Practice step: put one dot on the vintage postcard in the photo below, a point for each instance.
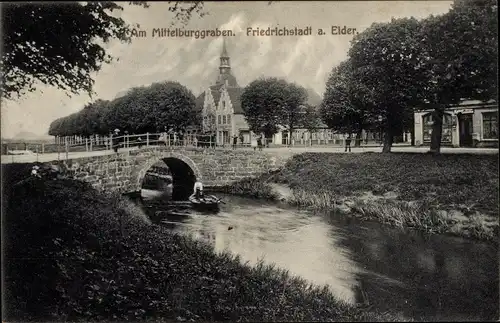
(250, 161)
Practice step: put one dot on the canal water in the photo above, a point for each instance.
(424, 277)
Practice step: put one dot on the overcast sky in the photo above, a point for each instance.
(306, 60)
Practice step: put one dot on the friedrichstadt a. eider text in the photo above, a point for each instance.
(249, 31)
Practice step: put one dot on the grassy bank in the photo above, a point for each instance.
(74, 254)
(456, 194)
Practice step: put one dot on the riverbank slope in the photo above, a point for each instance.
(452, 194)
(72, 253)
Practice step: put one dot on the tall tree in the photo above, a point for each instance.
(460, 58)
(61, 44)
(172, 105)
(55, 128)
(260, 101)
(386, 58)
(90, 118)
(294, 107)
(311, 119)
(347, 105)
(271, 103)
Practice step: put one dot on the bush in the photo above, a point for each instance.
(249, 187)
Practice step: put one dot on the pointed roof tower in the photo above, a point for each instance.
(225, 68)
(224, 49)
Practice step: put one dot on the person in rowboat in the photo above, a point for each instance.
(35, 171)
(198, 190)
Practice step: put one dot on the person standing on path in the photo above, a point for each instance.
(115, 140)
(348, 143)
(253, 143)
(235, 141)
(259, 143)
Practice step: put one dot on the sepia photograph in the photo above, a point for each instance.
(249, 161)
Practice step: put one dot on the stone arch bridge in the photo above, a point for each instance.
(124, 172)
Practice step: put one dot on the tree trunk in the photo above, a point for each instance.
(412, 133)
(357, 141)
(290, 133)
(437, 130)
(388, 140)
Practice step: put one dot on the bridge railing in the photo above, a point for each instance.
(66, 146)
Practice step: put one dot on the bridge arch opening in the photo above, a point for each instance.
(183, 178)
(182, 174)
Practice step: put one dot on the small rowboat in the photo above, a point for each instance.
(206, 203)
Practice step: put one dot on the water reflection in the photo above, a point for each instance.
(440, 278)
(424, 277)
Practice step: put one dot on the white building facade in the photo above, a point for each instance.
(468, 124)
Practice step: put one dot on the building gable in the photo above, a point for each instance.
(234, 94)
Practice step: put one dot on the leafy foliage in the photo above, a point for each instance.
(405, 64)
(269, 103)
(158, 107)
(311, 118)
(385, 59)
(62, 44)
(294, 106)
(346, 105)
(173, 105)
(460, 58)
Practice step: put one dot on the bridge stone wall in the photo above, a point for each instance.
(124, 172)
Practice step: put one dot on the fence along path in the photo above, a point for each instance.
(96, 142)
(96, 145)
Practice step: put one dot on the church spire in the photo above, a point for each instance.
(225, 66)
(225, 76)
(224, 50)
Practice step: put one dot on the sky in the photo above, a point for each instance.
(306, 60)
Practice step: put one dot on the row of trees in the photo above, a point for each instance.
(397, 66)
(268, 103)
(392, 69)
(166, 106)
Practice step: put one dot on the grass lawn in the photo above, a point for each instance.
(456, 194)
(74, 254)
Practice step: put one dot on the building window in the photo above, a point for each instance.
(490, 125)
(229, 119)
(224, 119)
(219, 119)
(223, 104)
(446, 131)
